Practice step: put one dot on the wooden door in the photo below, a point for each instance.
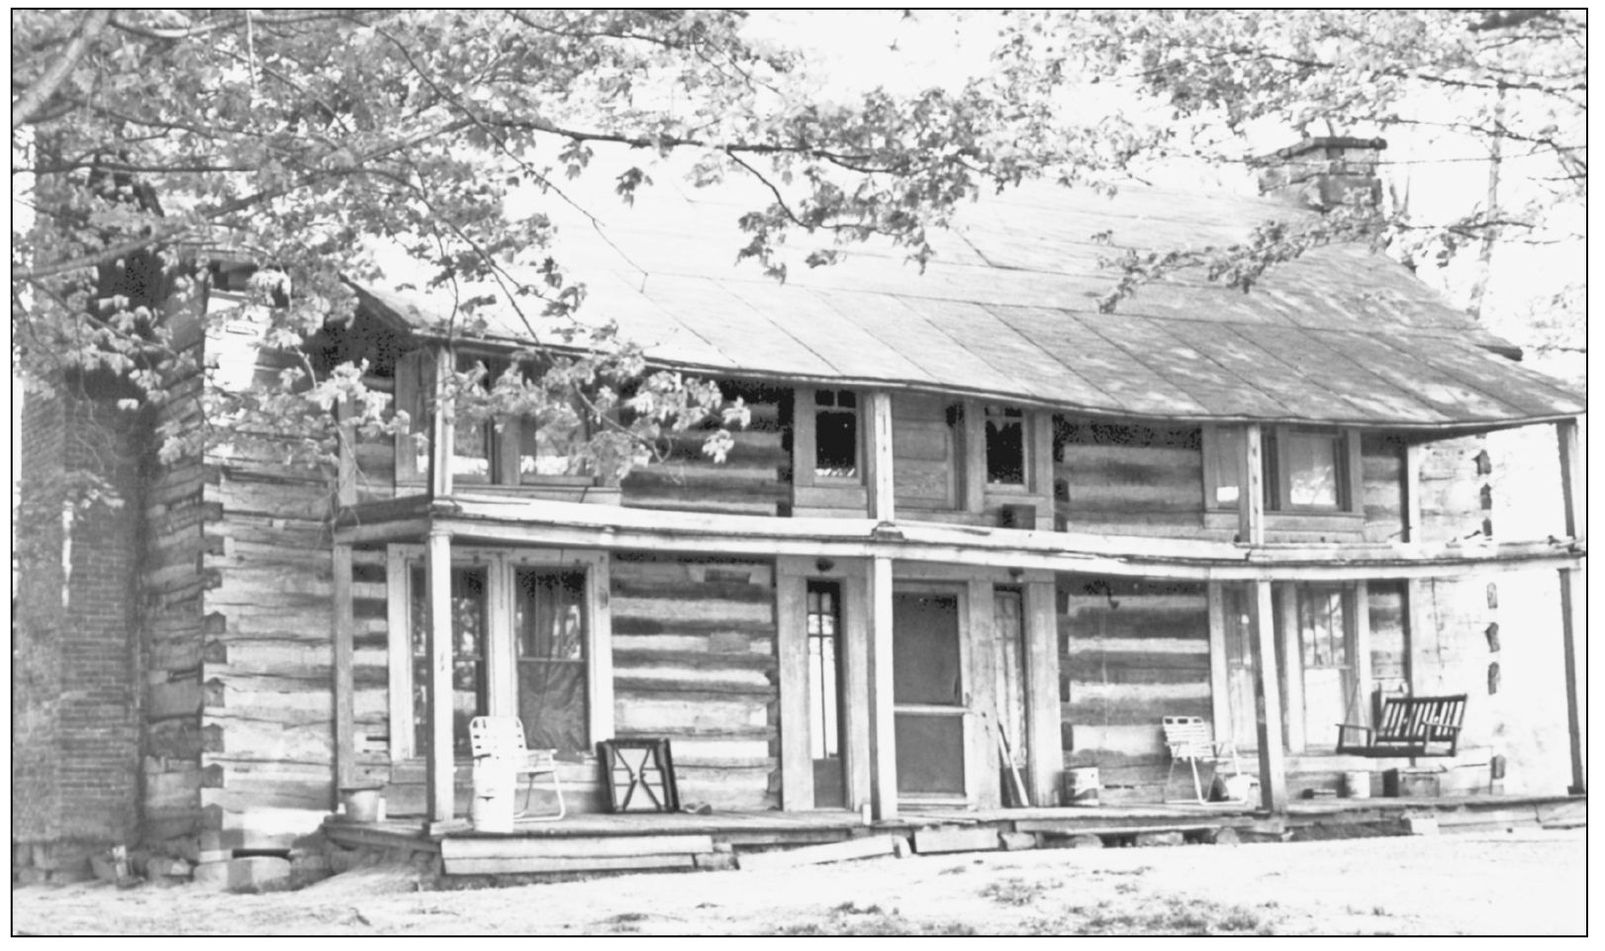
(929, 695)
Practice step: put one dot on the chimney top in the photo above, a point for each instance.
(1324, 172)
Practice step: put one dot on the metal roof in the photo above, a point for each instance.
(1008, 310)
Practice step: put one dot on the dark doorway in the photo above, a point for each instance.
(928, 694)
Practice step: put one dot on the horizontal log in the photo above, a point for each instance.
(717, 642)
(1135, 673)
(1107, 711)
(532, 866)
(637, 688)
(506, 847)
(736, 614)
(686, 590)
(711, 506)
(706, 714)
(734, 662)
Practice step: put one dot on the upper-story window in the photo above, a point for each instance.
(1005, 446)
(835, 434)
(1305, 470)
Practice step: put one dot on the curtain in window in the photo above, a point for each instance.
(549, 627)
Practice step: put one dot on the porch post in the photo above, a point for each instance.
(442, 439)
(1042, 692)
(441, 770)
(1574, 616)
(791, 644)
(1251, 487)
(879, 481)
(883, 734)
(1267, 702)
(344, 702)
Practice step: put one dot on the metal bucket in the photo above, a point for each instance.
(1081, 786)
(363, 805)
(1357, 784)
(491, 809)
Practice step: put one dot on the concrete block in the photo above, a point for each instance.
(1421, 825)
(1159, 838)
(936, 841)
(1017, 841)
(716, 861)
(258, 871)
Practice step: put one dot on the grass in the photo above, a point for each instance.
(1174, 917)
(1016, 891)
(850, 918)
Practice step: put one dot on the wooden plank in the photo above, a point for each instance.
(1267, 702)
(1411, 478)
(398, 654)
(804, 433)
(883, 736)
(1219, 689)
(972, 457)
(438, 715)
(1360, 607)
(979, 652)
(868, 847)
(1043, 742)
(1292, 667)
(596, 846)
(796, 770)
(1572, 485)
(343, 686)
(938, 841)
(1574, 626)
(1251, 487)
(537, 866)
(857, 719)
(880, 473)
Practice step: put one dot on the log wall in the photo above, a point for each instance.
(754, 479)
(1130, 479)
(694, 660)
(1131, 652)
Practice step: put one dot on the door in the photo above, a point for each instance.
(929, 695)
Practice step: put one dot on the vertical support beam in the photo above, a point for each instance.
(501, 665)
(1573, 625)
(1411, 488)
(1220, 708)
(1267, 702)
(442, 438)
(804, 436)
(1042, 718)
(879, 457)
(441, 769)
(1251, 487)
(1572, 477)
(599, 592)
(791, 643)
(346, 471)
(883, 732)
(399, 655)
(984, 753)
(972, 448)
(1040, 454)
(1362, 655)
(1292, 669)
(857, 712)
(345, 718)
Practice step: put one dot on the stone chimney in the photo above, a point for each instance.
(1325, 172)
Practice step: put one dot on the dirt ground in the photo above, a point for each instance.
(1524, 882)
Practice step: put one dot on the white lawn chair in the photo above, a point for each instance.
(1189, 739)
(502, 738)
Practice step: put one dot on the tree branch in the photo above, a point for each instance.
(25, 106)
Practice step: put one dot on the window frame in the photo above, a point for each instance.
(815, 410)
(500, 656)
(1277, 481)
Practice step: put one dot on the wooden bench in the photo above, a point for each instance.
(1407, 726)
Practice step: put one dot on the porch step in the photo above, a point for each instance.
(511, 855)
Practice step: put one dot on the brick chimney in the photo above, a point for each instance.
(1324, 172)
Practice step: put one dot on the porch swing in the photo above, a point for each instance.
(1407, 726)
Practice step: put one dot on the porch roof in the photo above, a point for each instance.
(1008, 310)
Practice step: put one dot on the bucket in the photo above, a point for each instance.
(1357, 784)
(1082, 786)
(491, 809)
(363, 805)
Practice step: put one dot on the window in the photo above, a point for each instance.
(1305, 470)
(835, 434)
(549, 637)
(524, 644)
(824, 669)
(548, 448)
(468, 628)
(1005, 446)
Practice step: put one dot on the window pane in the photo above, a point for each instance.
(836, 443)
(1005, 446)
(1228, 449)
(1312, 470)
(824, 671)
(470, 453)
(549, 627)
(468, 660)
(550, 447)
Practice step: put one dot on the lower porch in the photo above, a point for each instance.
(598, 843)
